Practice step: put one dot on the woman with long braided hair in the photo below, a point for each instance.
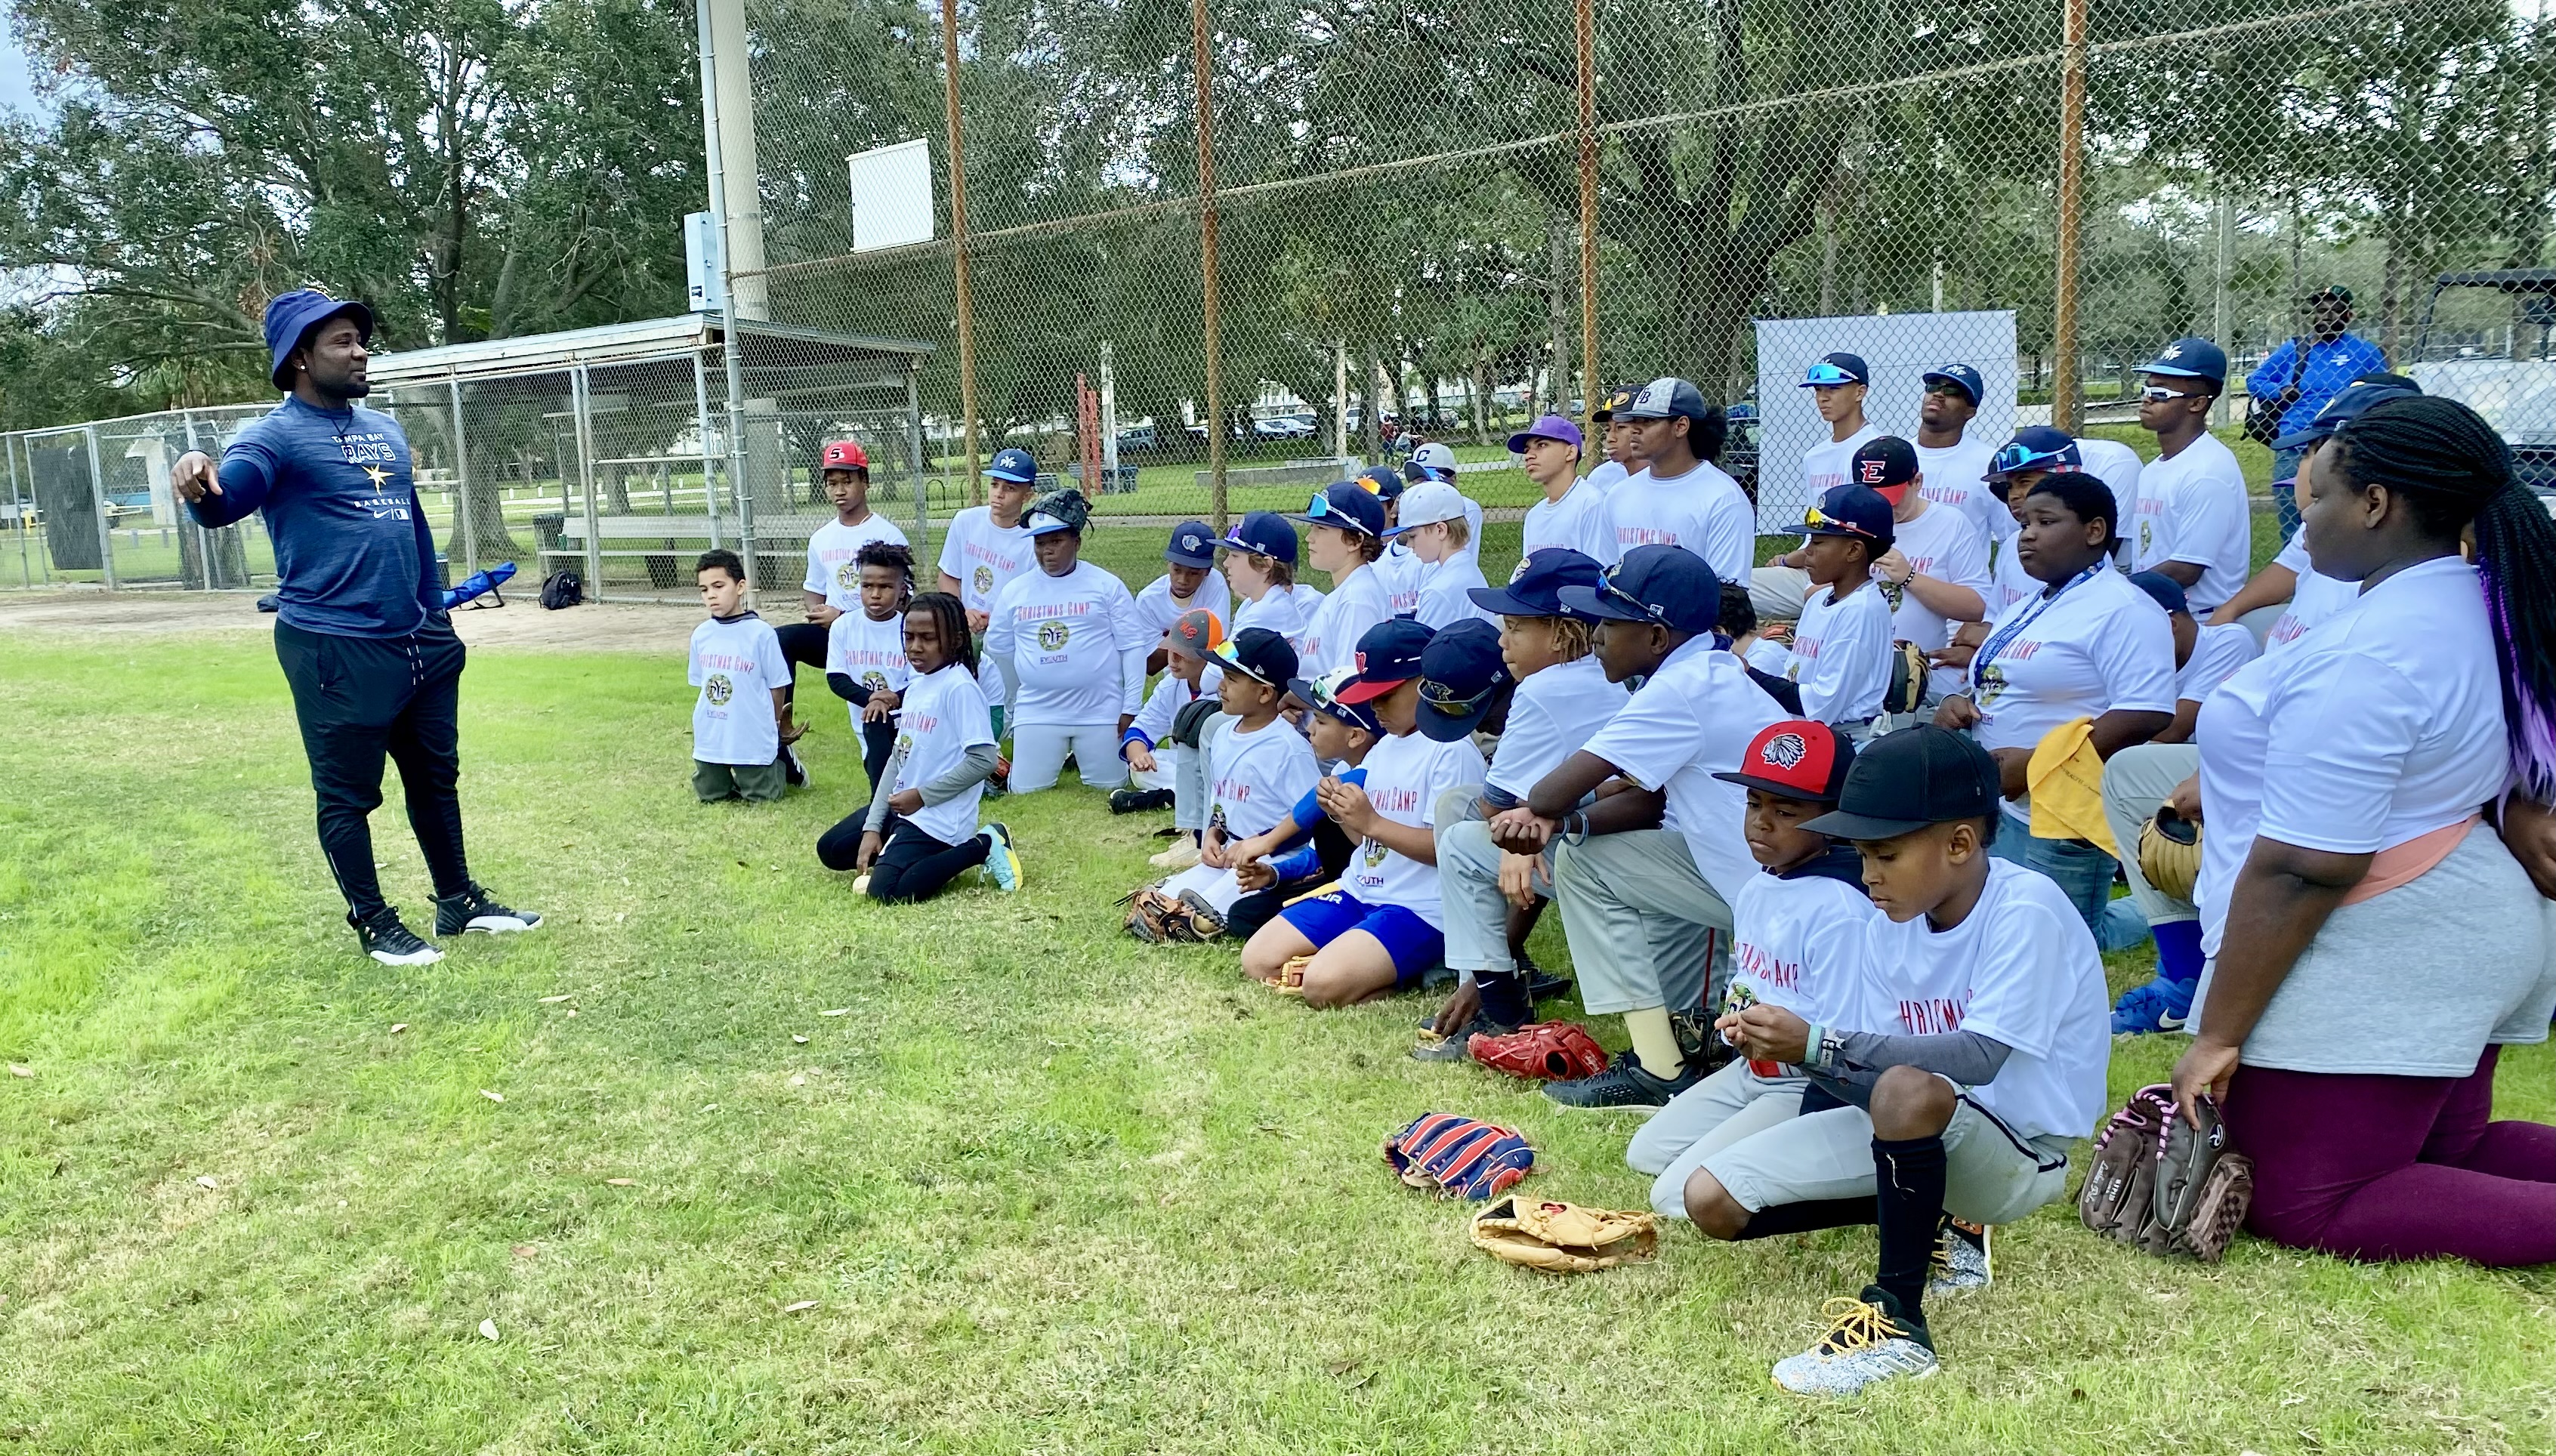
(2372, 947)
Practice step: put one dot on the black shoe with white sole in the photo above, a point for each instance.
(391, 942)
(475, 909)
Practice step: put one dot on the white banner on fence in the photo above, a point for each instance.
(1899, 348)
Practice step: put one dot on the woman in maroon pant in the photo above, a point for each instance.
(2373, 944)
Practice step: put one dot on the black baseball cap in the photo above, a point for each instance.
(1666, 397)
(1615, 399)
(1883, 463)
(1536, 591)
(1388, 655)
(2163, 590)
(1462, 678)
(1261, 654)
(1832, 370)
(1795, 759)
(1666, 585)
(1906, 781)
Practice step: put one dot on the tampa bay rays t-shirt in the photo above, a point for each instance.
(871, 654)
(1404, 777)
(945, 715)
(2020, 969)
(833, 572)
(1064, 637)
(736, 664)
(352, 551)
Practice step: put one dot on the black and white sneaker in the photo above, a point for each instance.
(793, 772)
(475, 910)
(1133, 800)
(1624, 1083)
(389, 941)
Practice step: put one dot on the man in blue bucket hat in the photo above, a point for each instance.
(360, 624)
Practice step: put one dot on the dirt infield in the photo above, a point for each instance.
(519, 625)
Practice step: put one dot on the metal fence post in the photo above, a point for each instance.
(959, 241)
(1586, 27)
(579, 393)
(461, 482)
(98, 502)
(719, 221)
(1207, 301)
(914, 451)
(701, 412)
(18, 509)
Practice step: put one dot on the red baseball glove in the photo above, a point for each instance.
(1559, 1052)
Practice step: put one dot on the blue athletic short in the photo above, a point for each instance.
(1413, 942)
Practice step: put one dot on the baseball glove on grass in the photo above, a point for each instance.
(1557, 1052)
(1459, 1157)
(1564, 1238)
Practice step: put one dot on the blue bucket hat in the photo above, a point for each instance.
(290, 318)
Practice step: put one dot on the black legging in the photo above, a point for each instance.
(802, 643)
(841, 846)
(915, 866)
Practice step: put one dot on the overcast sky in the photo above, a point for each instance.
(15, 91)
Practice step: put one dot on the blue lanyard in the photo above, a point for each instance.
(2004, 637)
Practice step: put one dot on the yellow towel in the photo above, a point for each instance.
(2065, 782)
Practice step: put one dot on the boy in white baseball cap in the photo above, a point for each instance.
(1432, 526)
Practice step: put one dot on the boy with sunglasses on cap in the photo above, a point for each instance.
(1378, 928)
(1839, 655)
(1305, 848)
(1189, 584)
(1955, 462)
(1646, 910)
(1798, 938)
(1345, 529)
(1257, 768)
(1538, 677)
(2193, 519)
(1986, 1062)
(1838, 384)
(1935, 571)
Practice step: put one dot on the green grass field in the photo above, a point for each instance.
(1040, 1188)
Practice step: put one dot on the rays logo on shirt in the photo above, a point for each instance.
(1373, 852)
(905, 743)
(1785, 750)
(983, 578)
(848, 575)
(718, 690)
(1893, 592)
(1053, 636)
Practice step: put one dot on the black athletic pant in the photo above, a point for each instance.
(915, 866)
(802, 643)
(1260, 906)
(841, 846)
(359, 698)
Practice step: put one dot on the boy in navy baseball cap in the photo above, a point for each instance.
(1190, 584)
(1464, 684)
(1263, 533)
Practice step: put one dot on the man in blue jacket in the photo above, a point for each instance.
(360, 625)
(2336, 356)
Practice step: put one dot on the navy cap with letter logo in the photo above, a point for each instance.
(1666, 585)
(2348, 406)
(1959, 376)
(1666, 398)
(2044, 447)
(1833, 370)
(1013, 465)
(1263, 533)
(1615, 403)
(1536, 591)
(1345, 506)
(2190, 358)
(1462, 678)
(1192, 545)
(1261, 654)
(1388, 655)
(2163, 590)
(1854, 511)
(1906, 781)
(1795, 759)
(1322, 694)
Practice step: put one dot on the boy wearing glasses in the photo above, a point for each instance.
(1838, 384)
(2193, 521)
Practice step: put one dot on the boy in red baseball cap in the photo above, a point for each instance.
(834, 584)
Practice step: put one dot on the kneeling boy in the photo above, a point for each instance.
(1257, 766)
(1994, 1061)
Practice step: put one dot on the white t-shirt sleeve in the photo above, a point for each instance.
(954, 561)
(768, 658)
(1965, 561)
(839, 642)
(1651, 739)
(2016, 996)
(2205, 515)
(817, 581)
(1000, 636)
(2135, 653)
(694, 673)
(1457, 765)
(2342, 727)
(1852, 666)
(2294, 554)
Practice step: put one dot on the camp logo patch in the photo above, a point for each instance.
(983, 578)
(1784, 751)
(905, 743)
(718, 690)
(874, 680)
(848, 575)
(1373, 852)
(1053, 636)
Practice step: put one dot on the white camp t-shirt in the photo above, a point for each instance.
(1824, 465)
(2020, 969)
(1255, 778)
(1942, 542)
(1398, 572)
(1441, 601)
(736, 664)
(833, 573)
(2193, 509)
(943, 716)
(2008, 582)
(2119, 467)
(1841, 654)
(2385, 724)
(2312, 601)
(1331, 634)
(1064, 637)
(1704, 511)
(1693, 719)
(1797, 943)
(2102, 644)
(2216, 653)
(1956, 475)
(1607, 475)
(1284, 610)
(1156, 608)
(871, 654)
(984, 558)
(1404, 777)
(1580, 520)
(1550, 714)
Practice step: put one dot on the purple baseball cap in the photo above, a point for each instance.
(1551, 427)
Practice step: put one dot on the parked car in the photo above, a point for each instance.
(1138, 437)
(1739, 451)
(2504, 371)
(1283, 427)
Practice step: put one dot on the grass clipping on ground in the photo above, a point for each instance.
(1023, 1185)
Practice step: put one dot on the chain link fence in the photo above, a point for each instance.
(1422, 220)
